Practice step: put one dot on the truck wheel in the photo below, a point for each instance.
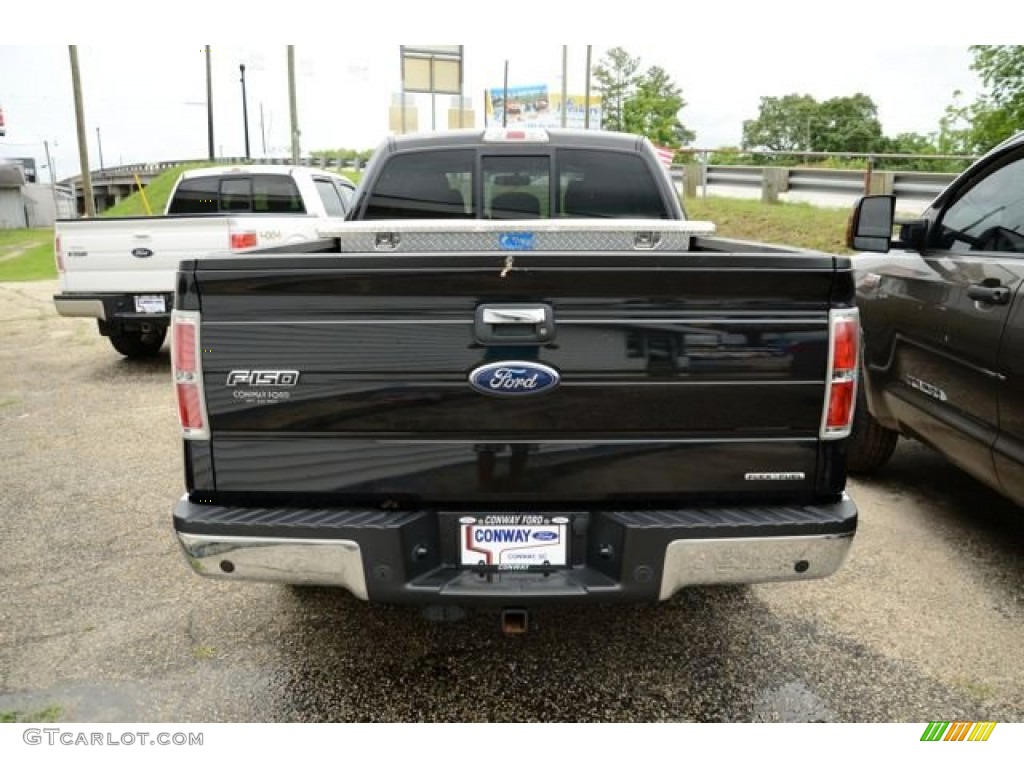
(134, 344)
(870, 444)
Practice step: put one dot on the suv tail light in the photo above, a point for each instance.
(841, 376)
(188, 375)
(58, 255)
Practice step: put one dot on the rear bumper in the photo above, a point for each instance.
(617, 556)
(112, 308)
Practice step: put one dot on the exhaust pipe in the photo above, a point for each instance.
(514, 621)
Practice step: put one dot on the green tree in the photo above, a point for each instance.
(922, 146)
(999, 112)
(848, 124)
(345, 155)
(616, 78)
(954, 134)
(910, 144)
(645, 103)
(797, 123)
(653, 110)
(1001, 68)
(783, 124)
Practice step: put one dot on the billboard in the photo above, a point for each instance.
(432, 68)
(537, 106)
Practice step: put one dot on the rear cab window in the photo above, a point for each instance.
(534, 183)
(428, 185)
(255, 193)
(607, 185)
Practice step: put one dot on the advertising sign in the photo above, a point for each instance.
(537, 106)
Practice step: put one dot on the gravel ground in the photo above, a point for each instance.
(101, 619)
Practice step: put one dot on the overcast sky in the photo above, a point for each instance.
(148, 98)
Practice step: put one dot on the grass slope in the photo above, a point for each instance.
(157, 192)
(26, 254)
(798, 224)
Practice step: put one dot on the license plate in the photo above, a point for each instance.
(149, 305)
(514, 542)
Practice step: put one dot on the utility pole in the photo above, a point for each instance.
(53, 180)
(83, 147)
(292, 106)
(504, 99)
(462, 71)
(565, 82)
(209, 104)
(245, 113)
(263, 133)
(586, 94)
(99, 146)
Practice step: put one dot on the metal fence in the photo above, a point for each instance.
(913, 189)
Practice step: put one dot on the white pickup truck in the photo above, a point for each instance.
(122, 270)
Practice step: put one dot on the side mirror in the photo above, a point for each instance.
(870, 226)
(913, 234)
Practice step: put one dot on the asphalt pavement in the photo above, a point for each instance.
(101, 620)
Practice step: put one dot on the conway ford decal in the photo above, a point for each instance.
(516, 241)
(513, 377)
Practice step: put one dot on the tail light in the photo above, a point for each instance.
(241, 240)
(58, 255)
(841, 376)
(188, 375)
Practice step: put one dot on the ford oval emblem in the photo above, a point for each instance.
(141, 253)
(545, 535)
(513, 378)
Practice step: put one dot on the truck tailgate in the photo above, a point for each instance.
(348, 375)
(136, 254)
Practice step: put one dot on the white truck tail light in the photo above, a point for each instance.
(841, 375)
(58, 255)
(188, 375)
(240, 240)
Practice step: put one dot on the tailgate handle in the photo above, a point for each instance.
(510, 316)
(514, 324)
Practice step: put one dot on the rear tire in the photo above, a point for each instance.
(139, 344)
(870, 444)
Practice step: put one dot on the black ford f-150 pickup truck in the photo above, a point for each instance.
(943, 324)
(519, 375)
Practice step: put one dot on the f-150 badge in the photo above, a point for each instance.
(263, 378)
(513, 378)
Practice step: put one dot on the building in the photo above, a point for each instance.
(23, 204)
(12, 199)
